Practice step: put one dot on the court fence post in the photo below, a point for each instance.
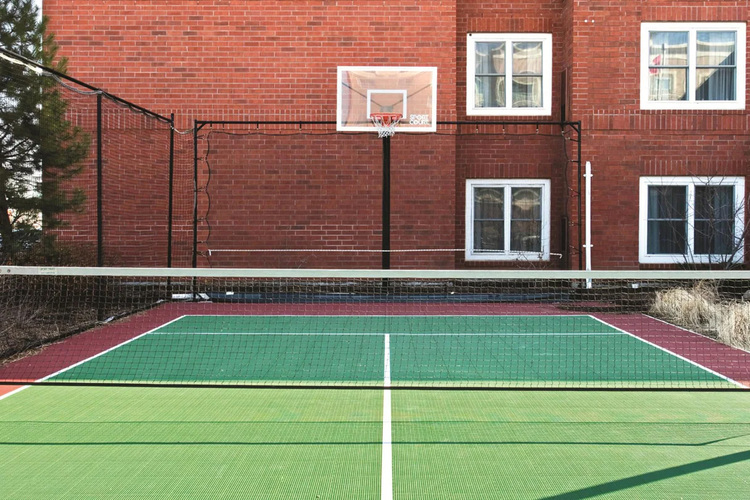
(386, 229)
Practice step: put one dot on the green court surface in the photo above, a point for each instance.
(97, 442)
(321, 443)
(571, 445)
(462, 351)
(414, 325)
(176, 443)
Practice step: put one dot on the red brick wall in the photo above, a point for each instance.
(513, 152)
(135, 188)
(277, 60)
(512, 156)
(235, 59)
(273, 60)
(624, 142)
(323, 192)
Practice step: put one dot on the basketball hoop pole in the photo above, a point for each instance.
(386, 256)
(386, 123)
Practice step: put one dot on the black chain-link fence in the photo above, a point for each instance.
(85, 176)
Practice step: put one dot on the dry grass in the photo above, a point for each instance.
(701, 309)
(734, 325)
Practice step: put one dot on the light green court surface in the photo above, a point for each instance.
(462, 351)
(94, 442)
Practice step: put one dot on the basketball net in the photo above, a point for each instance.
(385, 123)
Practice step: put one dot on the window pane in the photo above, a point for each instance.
(667, 202)
(667, 219)
(714, 237)
(714, 203)
(526, 220)
(527, 204)
(716, 84)
(527, 58)
(527, 92)
(667, 84)
(490, 58)
(668, 48)
(666, 237)
(716, 48)
(714, 220)
(525, 236)
(489, 236)
(489, 203)
(489, 92)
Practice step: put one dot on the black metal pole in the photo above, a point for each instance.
(99, 293)
(99, 182)
(84, 84)
(580, 202)
(195, 194)
(171, 191)
(386, 257)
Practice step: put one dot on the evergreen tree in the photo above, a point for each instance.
(40, 150)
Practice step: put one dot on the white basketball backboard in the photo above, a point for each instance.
(408, 91)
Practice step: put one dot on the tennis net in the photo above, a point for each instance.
(374, 329)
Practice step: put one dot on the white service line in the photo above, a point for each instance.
(386, 478)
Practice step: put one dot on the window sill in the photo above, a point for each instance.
(509, 112)
(683, 259)
(693, 106)
(506, 257)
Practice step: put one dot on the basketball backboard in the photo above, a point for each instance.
(408, 91)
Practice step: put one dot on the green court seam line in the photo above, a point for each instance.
(43, 379)
(373, 334)
(690, 361)
(696, 333)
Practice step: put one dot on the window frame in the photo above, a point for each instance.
(692, 28)
(690, 257)
(507, 255)
(509, 38)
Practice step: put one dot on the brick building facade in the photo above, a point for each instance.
(658, 87)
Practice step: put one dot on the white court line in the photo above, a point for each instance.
(13, 392)
(386, 478)
(92, 357)
(698, 365)
(717, 341)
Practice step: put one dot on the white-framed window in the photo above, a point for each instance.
(693, 65)
(691, 220)
(507, 219)
(509, 74)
